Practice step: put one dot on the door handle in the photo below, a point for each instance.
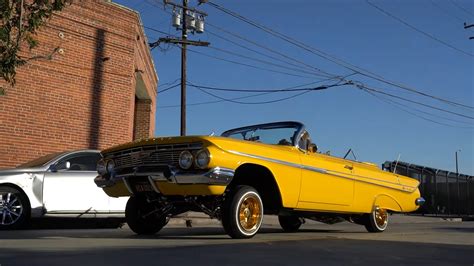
(350, 167)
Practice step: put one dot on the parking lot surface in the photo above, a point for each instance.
(409, 240)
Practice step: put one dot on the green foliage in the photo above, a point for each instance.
(19, 21)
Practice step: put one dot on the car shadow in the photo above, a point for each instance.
(457, 229)
(75, 223)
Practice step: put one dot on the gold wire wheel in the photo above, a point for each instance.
(381, 217)
(250, 213)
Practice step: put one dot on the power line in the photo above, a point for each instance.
(215, 101)
(287, 89)
(259, 53)
(331, 58)
(362, 86)
(307, 90)
(268, 49)
(446, 12)
(418, 30)
(169, 88)
(401, 107)
(263, 61)
(247, 65)
(461, 8)
(242, 97)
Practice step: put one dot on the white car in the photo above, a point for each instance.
(59, 184)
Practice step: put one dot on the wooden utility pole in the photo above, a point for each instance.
(183, 42)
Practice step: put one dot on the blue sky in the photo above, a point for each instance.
(342, 117)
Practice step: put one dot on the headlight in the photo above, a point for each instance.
(185, 160)
(101, 167)
(202, 159)
(110, 166)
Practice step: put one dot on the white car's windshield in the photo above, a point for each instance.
(41, 161)
(283, 133)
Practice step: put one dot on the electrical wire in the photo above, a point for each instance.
(333, 59)
(169, 88)
(461, 8)
(268, 49)
(404, 108)
(307, 90)
(446, 12)
(417, 30)
(258, 52)
(362, 86)
(263, 61)
(267, 92)
(287, 89)
(247, 65)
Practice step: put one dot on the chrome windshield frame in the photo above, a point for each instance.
(300, 128)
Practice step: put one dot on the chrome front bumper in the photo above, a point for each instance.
(215, 176)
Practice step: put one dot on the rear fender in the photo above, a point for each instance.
(387, 202)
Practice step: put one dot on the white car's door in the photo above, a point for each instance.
(70, 187)
(117, 205)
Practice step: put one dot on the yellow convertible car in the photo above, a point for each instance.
(248, 172)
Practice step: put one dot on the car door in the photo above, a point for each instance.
(69, 187)
(326, 181)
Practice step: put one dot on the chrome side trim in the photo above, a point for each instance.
(153, 185)
(325, 171)
(127, 185)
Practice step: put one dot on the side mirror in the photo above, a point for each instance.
(62, 166)
(313, 148)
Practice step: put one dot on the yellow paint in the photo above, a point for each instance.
(119, 190)
(330, 184)
(169, 189)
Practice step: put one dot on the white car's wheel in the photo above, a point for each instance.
(243, 212)
(377, 220)
(14, 208)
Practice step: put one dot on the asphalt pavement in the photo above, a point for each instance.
(408, 241)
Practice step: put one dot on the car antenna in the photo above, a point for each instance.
(396, 163)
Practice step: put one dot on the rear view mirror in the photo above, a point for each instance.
(313, 148)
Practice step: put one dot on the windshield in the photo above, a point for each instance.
(283, 133)
(41, 161)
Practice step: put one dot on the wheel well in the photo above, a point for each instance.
(260, 178)
(19, 189)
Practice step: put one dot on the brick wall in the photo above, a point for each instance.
(85, 96)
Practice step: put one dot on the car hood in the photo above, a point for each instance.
(16, 171)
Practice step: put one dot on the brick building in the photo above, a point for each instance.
(98, 90)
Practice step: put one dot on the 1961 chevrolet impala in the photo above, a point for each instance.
(248, 172)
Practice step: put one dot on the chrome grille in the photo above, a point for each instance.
(151, 155)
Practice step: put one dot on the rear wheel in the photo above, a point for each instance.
(290, 223)
(142, 216)
(14, 209)
(243, 212)
(376, 221)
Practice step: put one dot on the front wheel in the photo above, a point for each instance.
(142, 216)
(14, 209)
(243, 212)
(376, 221)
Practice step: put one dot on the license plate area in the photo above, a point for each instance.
(140, 184)
(143, 187)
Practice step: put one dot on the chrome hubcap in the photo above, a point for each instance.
(10, 208)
